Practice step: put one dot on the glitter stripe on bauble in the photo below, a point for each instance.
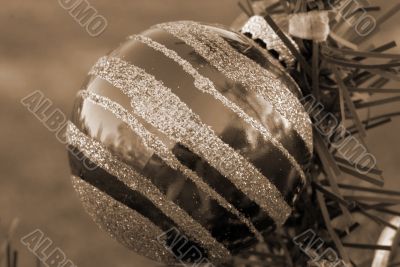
(239, 68)
(125, 224)
(117, 190)
(157, 105)
(103, 158)
(153, 142)
(207, 86)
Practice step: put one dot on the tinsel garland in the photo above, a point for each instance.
(333, 75)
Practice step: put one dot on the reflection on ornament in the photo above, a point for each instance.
(199, 139)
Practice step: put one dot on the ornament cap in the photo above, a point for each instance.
(259, 30)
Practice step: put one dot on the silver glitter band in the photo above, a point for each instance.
(157, 105)
(241, 69)
(207, 86)
(152, 142)
(104, 159)
(125, 224)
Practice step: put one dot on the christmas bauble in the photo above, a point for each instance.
(188, 143)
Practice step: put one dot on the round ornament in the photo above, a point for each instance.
(188, 143)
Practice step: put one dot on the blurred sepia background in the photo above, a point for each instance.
(43, 48)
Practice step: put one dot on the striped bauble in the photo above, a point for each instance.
(188, 143)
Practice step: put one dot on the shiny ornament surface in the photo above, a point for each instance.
(188, 143)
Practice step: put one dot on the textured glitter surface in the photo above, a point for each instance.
(103, 158)
(207, 86)
(156, 104)
(241, 69)
(152, 142)
(259, 29)
(126, 225)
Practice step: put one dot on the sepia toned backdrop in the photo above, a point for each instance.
(43, 48)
